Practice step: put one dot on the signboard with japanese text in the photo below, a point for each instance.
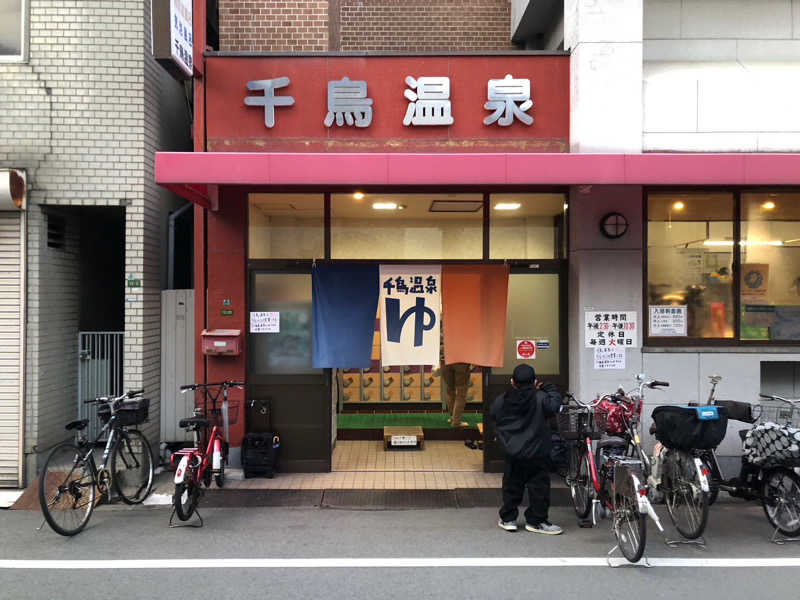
(181, 33)
(265, 322)
(526, 349)
(609, 358)
(610, 328)
(172, 37)
(410, 308)
(388, 103)
(668, 321)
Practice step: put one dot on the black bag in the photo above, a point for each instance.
(260, 454)
(681, 427)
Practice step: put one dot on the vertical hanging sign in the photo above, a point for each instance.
(410, 306)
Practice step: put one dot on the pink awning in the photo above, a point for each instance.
(196, 175)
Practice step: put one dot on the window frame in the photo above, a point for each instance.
(24, 30)
(689, 342)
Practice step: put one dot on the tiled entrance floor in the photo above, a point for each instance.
(366, 465)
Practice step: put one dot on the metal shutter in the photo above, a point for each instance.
(11, 346)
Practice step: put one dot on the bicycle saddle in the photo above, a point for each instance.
(193, 422)
(79, 425)
(611, 441)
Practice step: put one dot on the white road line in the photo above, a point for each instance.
(384, 563)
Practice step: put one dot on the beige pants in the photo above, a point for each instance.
(456, 380)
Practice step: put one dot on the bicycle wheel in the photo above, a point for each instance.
(186, 497)
(580, 482)
(219, 478)
(132, 466)
(687, 503)
(66, 490)
(780, 497)
(630, 528)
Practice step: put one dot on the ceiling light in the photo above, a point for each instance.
(401, 207)
(384, 205)
(358, 196)
(743, 243)
(768, 205)
(566, 206)
(718, 243)
(678, 205)
(507, 206)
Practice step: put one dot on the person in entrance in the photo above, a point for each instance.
(522, 416)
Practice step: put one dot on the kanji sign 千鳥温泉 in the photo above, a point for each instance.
(610, 328)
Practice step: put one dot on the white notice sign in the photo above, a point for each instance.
(265, 322)
(181, 35)
(610, 329)
(404, 440)
(609, 358)
(668, 321)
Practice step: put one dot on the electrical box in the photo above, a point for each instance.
(222, 342)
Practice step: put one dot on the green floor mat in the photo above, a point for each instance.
(381, 420)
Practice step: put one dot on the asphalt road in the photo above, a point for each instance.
(738, 546)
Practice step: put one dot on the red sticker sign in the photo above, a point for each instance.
(526, 349)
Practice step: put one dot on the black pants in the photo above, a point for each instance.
(533, 474)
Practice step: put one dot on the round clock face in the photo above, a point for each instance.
(614, 225)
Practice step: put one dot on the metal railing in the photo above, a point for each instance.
(99, 371)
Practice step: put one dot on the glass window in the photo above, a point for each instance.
(689, 264)
(770, 273)
(407, 226)
(12, 27)
(527, 225)
(287, 351)
(286, 226)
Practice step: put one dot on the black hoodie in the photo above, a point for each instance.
(522, 417)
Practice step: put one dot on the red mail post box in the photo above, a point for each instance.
(222, 342)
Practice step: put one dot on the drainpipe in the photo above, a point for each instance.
(171, 244)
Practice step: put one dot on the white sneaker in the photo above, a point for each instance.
(545, 527)
(507, 525)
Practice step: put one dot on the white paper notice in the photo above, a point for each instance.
(265, 322)
(668, 321)
(609, 358)
(610, 329)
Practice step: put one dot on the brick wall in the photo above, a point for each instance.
(352, 25)
(272, 26)
(424, 25)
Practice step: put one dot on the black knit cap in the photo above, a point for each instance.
(524, 375)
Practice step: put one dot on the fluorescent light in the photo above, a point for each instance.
(507, 206)
(358, 195)
(384, 205)
(678, 205)
(717, 243)
(743, 243)
(769, 205)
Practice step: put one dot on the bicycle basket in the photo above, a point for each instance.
(129, 412)
(680, 427)
(214, 416)
(775, 411)
(771, 444)
(576, 424)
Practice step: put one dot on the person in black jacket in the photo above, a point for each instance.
(522, 426)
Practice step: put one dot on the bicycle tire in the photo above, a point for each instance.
(132, 466)
(630, 528)
(687, 503)
(185, 498)
(580, 482)
(777, 500)
(64, 497)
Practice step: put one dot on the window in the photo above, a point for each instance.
(286, 226)
(690, 265)
(527, 226)
(770, 273)
(705, 262)
(407, 226)
(12, 29)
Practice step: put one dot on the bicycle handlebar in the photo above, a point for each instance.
(658, 383)
(786, 400)
(226, 383)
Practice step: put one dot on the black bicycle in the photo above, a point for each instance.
(72, 484)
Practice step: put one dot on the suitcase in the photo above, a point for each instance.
(259, 454)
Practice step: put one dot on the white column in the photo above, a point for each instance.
(605, 39)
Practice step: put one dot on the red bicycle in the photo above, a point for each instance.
(210, 452)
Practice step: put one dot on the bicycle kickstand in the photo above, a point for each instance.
(698, 543)
(179, 524)
(617, 562)
(777, 538)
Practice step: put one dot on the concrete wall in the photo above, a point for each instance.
(721, 75)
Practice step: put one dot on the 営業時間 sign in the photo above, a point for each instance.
(610, 328)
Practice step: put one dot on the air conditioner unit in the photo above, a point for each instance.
(13, 189)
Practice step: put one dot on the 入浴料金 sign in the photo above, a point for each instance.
(610, 328)
(668, 321)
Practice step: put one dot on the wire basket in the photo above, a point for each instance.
(579, 423)
(775, 411)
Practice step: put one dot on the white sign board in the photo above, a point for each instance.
(403, 440)
(668, 321)
(410, 305)
(265, 322)
(610, 329)
(609, 358)
(181, 36)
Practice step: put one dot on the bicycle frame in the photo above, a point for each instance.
(213, 450)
